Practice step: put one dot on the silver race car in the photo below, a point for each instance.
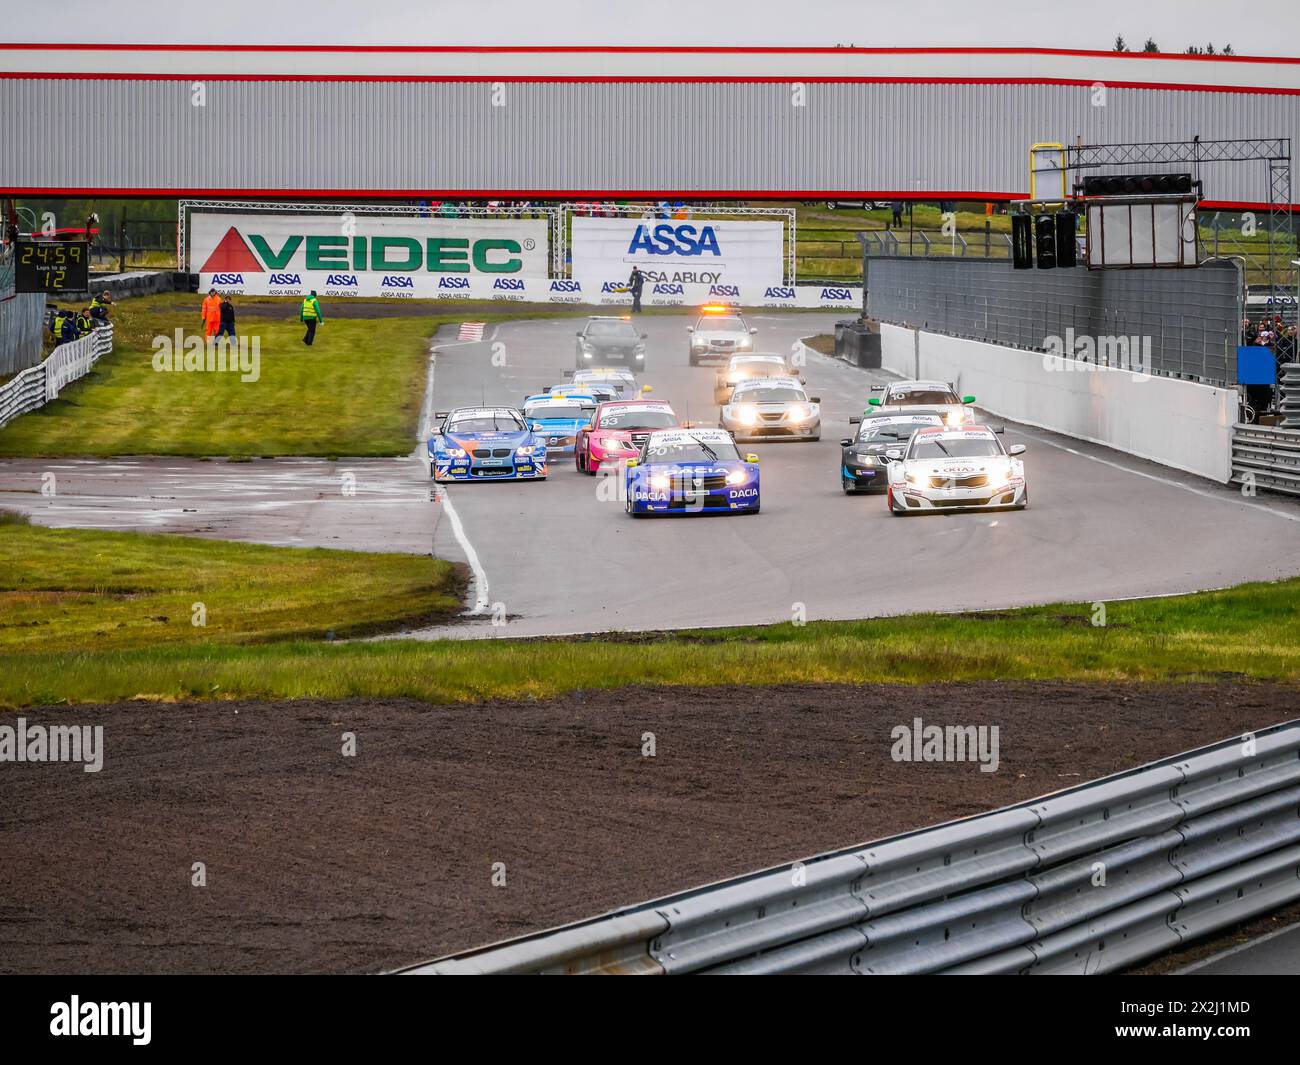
(956, 468)
(772, 408)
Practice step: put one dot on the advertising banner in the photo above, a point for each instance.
(362, 251)
(677, 251)
(532, 290)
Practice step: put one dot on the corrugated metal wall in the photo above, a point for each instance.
(550, 136)
(22, 324)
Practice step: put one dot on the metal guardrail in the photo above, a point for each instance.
(1088, 880)
(41, 384)
(1266, 456)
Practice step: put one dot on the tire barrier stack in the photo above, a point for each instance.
(1090, 880)
(858, 343)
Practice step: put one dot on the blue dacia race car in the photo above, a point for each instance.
(691, 471)
(486, 444)
(558, 418)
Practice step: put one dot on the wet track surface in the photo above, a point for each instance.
(561, 556)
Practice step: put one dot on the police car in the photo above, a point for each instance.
(604, 340)
(485, 444)
(719, 332)
(937, 395)
(772, 408)
(691, 471)
(863, 465)
(558, 418)
(956, 468)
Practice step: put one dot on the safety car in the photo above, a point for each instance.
(719, 332)
(604, 340)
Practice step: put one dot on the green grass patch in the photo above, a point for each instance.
(1248, 633)
(64, 592)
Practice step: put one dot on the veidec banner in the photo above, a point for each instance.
(677, 251)
(532, 290)
(285, 247)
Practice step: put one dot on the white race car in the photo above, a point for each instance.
(956, 468)
(934, 395)
(772, 408)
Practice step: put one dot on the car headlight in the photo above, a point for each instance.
(454, 452)
(659, 480)
(737, 477)
(958, 417)
(746, 342)
(734, 378)
(745, 414)
(802, 414)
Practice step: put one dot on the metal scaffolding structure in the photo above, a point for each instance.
(1274, 152)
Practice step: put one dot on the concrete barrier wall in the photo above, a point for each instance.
(1181, 424)
(22, 322)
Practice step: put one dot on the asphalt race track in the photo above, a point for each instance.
(561, 556)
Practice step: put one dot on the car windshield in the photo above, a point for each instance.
(920, 398)
(770, 395)
(692, 449)
(758, 365)
(611, 330)
(725, 325)
(976, 447)
(892, 430)
(485, 421)
(638, 419)
(556, 412)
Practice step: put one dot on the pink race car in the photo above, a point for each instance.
(617, 430)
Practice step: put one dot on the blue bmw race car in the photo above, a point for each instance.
(486, 444)
(558, 418)
(691, 471)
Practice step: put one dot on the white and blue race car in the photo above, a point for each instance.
(691, 471)
(558, 418)
(486, 444)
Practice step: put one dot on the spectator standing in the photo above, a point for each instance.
(310, 316)
(896, 212)
(635, 283)
(211, 313)
(67, 327)
(227, 326)
(85, 323)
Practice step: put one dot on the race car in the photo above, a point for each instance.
(485, 443)
(622, 381)
(618, 430)
(956, 468)
(719, 331)
(558, 418)
(601, 393)
(863, 465)
(604, 340)
(691, 471)
(777, 408)
(744, 367)
(939, 395)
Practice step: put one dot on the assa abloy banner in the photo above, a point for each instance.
(702, 251)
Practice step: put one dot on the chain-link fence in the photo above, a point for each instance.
(1180, 323)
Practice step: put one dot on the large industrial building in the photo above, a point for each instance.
(269, 121)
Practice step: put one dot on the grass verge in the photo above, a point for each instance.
(1245, 633)
(64, 591)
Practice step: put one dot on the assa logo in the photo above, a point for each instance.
(509, 284)
(778, 292)
(285, 279)
(344, 280)
(612, 288)
(568, 286)
(669, 290)
(395, 281)
(453, 282)
(668, 239)
(724, 290)
(227, 279)
(837, 294)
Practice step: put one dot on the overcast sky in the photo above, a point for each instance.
(1253, 27)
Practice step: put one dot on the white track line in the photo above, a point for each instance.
(480, 579)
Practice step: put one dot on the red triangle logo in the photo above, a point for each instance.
(232, 256)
